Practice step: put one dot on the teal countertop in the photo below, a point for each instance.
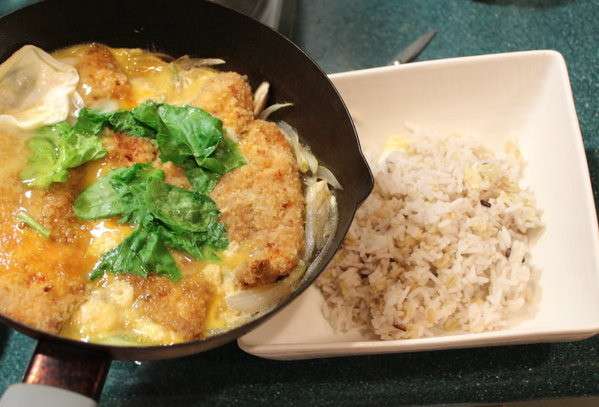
(346, 35)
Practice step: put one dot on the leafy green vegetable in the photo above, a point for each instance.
(180, 209)
(100, 200)
(193, 139)
(121, 192)
(165, 215)
(147, 113)
(141, 253)
(185, 135)
(57, 148)
(214, 154)
(226, 158)
(188, 132)
(33, 224)
(93, 122)
(201, 180)
(203, 245)
(174, 217)
(125, 122)
(90, 122)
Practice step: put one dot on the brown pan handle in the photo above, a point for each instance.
(67, 367)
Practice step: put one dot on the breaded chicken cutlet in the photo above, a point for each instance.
(39, 284)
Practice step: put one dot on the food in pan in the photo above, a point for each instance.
(146, 200)
(441, 246)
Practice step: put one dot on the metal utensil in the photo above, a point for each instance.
(411, 52)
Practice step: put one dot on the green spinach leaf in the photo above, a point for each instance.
(201, 180)
(90, 122)
(120, 192)
(180, 209)
(147, 113)
(203, 246)
(181, 219)
(125, 122)
(57, 148)
(192, 139)
(141, 253)
(188, 132)
(186, 135)
(93, 122)
(226, 158)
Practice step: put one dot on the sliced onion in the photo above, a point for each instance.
(259, 299)
(256, 300)
(331, 225)
(305, 159)
(77, 104)
(326, 174)
(312, 161)
(321, 205)
(318, 215)
(292, 138)
(185, 62)
(273, 108)
(260, 97)
(289, 131)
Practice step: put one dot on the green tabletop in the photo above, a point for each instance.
(346, 35)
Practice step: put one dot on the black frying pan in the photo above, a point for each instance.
(203, 29)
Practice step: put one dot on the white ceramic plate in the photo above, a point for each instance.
(522, 96)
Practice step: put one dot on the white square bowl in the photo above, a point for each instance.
(523, 96)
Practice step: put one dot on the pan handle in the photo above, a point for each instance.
(56, 373)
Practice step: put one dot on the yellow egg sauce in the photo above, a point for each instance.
(151, 78)
(50, 271)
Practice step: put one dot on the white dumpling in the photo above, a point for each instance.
(35, 88)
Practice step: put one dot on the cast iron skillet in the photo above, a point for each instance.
(197, 28)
